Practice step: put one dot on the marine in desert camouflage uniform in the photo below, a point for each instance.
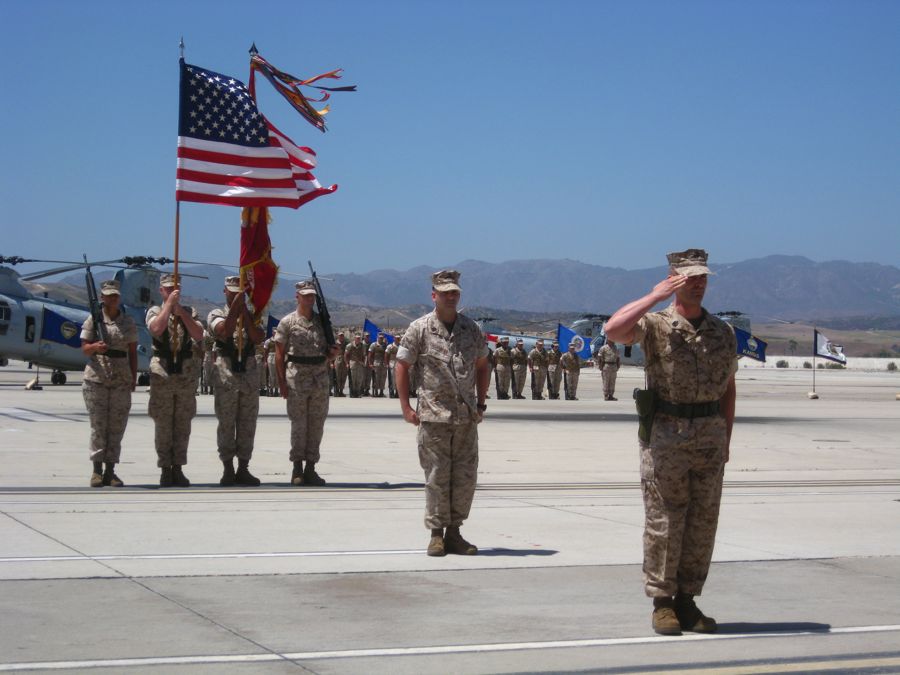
(235, 383)
(390, 363)
(691, 361)
(376, 365)
(538, 362)
(450, 352)
(339, 366)
(554, 372)
(355, 360)
(502, 368)
(570, 363)
(609, 361)
(109, 378)
(518, 359)
(302, 360)
(174, 370)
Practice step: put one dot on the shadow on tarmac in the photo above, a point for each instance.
(514, 552)
(775, 627)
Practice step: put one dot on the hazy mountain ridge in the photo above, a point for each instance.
(780, 286)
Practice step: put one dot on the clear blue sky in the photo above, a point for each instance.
(604, 132)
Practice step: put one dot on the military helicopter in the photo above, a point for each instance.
(47, 332)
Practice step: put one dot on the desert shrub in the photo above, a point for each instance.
(781, 364)
(807, 364)
(831, 365)
(892, 366)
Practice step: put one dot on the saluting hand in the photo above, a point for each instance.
(667, 287)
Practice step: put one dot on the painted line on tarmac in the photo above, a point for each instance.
(209, 556)
(26, 415)
(439, 650)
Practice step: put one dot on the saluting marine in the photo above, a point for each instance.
(691, 361)
(174, 370)
(109, 378)
(302, 356)
(235, 383)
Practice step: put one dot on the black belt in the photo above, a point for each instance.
(687, 410)
(306, 360)
(115, 353)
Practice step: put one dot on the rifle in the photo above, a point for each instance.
(322, 309)
(533, 392)
(94, 302)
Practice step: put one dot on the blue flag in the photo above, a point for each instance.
(57, 328)
(748, 345)
(271, 325)
(374, 330)
(566, 335)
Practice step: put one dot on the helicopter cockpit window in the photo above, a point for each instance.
(29, 329)
(5, 316)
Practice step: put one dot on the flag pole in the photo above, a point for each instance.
(813, 394)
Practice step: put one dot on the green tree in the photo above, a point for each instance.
(792, 346)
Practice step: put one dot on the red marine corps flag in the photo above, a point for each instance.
(259, 273)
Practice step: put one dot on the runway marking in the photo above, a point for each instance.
(208, 556)
(470, 649)
(26, 415)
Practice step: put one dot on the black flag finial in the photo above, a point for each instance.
(253, 50)
(181, 46)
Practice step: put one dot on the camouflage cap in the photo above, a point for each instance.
(445, 280)
(110, 287)
(505, 338)
(689, 263)
(520, 341)
(233, 284)
(305, 288)
(168, 281)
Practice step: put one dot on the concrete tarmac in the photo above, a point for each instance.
(336, 580)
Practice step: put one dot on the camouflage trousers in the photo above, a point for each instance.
(172, 406)
(540, 376)
(554, 380)
(681, 480)
(448, 453)
(340, 373)
(357, 378)
(502, 380)
(307, 408)
(273, 377)
(379, 375)
(237, 407)
(572, 382)
(207, 374)
(108, 409)
(520, 375)
(609, 380)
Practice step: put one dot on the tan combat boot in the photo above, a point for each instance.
(665, 622)
(690, 617)
(454, 543)
(97, 475)
(436, 545)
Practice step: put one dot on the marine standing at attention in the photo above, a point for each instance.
(554, 372)
(235, 383)
(570, 363)
(691, 361)
(518, 359)
(609, 361)
(502, 368)
(109, 378)
(450, 353)
(538, 364)
(302, 358)
(174, 371)
(355, 360)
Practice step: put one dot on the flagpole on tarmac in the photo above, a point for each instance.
(813, 394)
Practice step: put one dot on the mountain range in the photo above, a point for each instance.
(777, 286)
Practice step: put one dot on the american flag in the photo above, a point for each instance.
(229, 153)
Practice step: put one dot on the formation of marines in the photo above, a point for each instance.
(443, 360)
